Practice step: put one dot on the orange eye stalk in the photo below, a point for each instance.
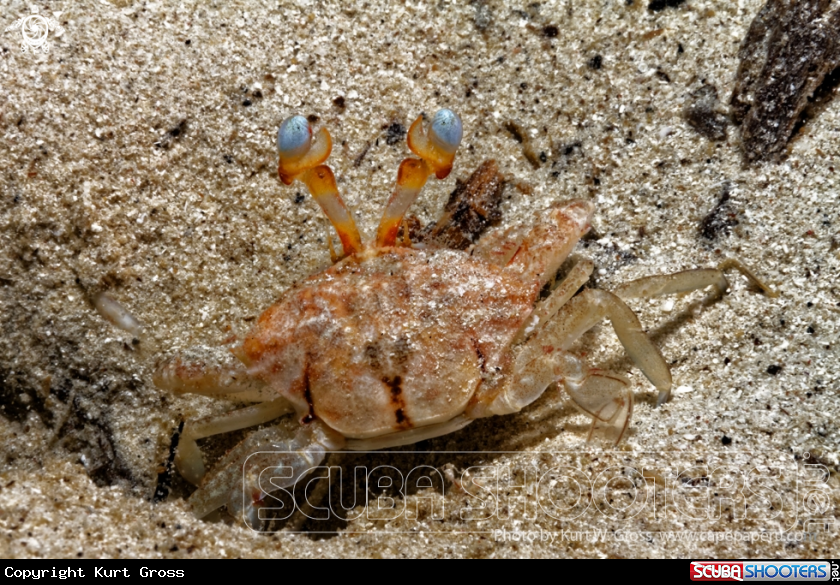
(436, 146)
(301, 158)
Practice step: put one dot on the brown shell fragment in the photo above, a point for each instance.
(472, 207)
(752, 54)
(789, 49)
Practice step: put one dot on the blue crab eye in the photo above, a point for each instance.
(294, 137)
(447, 130)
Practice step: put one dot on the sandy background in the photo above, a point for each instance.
(138, 158)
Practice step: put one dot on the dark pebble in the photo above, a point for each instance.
(657, 5)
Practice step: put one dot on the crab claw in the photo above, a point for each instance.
(435, 144)
(267, 461)
(606, 397)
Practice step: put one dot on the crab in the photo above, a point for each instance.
(397, 343)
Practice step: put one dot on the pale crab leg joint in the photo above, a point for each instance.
(435, 144)
(188, 459)
(577, 277)
(301, 157)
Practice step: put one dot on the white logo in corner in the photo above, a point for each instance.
(35, 29)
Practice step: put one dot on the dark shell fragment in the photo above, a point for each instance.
(472, 207)
(789, 49)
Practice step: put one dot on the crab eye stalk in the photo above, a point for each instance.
(294, 137)
(300, 149)
(435, 144)
(446, 131)
(301, 157)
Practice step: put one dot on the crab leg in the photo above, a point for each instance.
(592, 306)
(436, 146)
(209, 376)
(689, 280)
(188, 459)
(603, 395)
(544, 311)
(301, 158)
